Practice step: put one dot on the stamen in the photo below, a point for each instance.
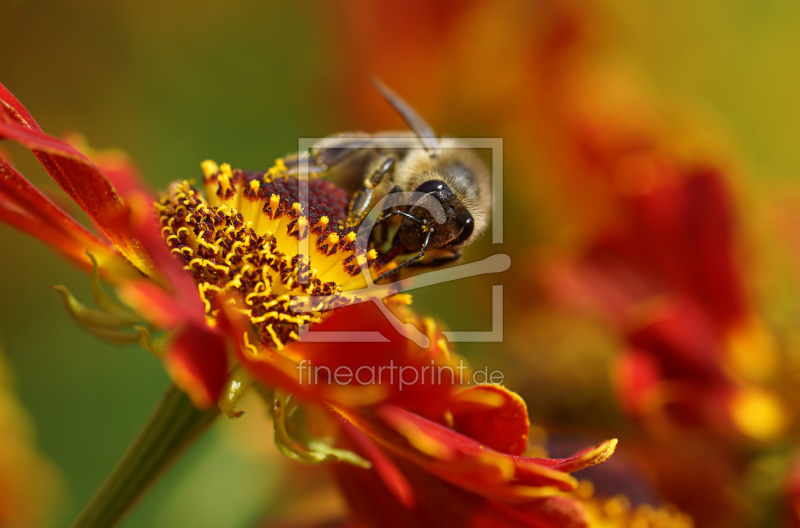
(241, 242)
(209, 168)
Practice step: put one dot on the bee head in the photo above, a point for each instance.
(453, 233)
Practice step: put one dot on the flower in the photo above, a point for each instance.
(224, 270)
(667, 277)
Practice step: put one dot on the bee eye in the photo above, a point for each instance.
(431, 186)
(467, 223)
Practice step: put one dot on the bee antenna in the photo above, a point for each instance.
(421, 129)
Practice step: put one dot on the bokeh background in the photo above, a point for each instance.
(175, 83)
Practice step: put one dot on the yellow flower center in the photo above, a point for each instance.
(244, 242)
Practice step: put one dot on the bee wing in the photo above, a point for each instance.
(333, 150)
(328, 152)
(296, 163)
(421, 129)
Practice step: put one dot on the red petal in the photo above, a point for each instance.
(27, 209)
(371, 372)
(138, 223)
(73, 171)
(440, 503)
(687, 226)
(636, 375)
(10, 106)
(405, 373)
(458, 459)
(492, 415)
(266, 366)
(156, 304)
(114, 164)
(586, 458)
(681, 338)
(386, 469)
(198, 363)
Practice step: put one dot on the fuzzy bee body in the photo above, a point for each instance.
(446, 176)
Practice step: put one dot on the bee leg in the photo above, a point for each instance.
(385, 225)
(357, 209)
(404, 214)
(439, 260)
(408, 262)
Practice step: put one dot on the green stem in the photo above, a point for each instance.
(174, 425)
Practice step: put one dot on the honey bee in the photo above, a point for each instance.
(444, 175)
